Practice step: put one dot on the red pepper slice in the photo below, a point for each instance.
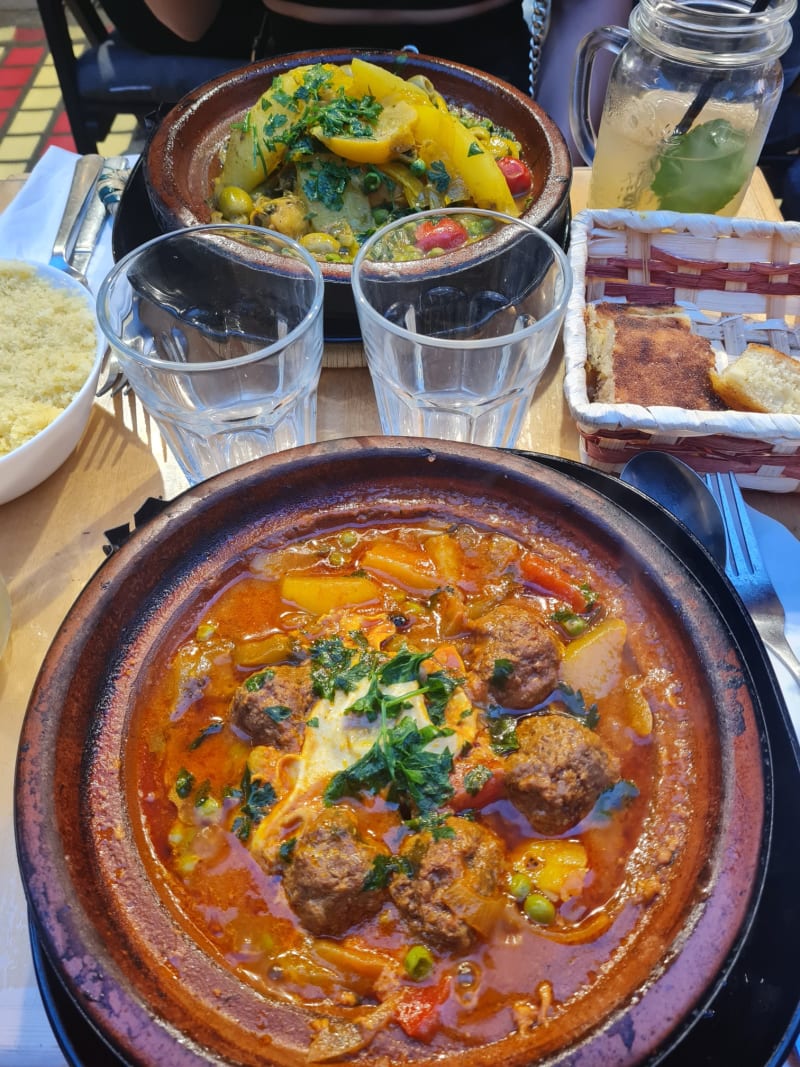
(517, 175)
(446, 234)
(418, 1008)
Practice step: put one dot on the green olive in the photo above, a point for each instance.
(418, 963)
(234, 202)
(539, 909)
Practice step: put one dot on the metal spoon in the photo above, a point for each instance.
(683, 493)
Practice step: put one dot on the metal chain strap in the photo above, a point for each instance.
(537, 16)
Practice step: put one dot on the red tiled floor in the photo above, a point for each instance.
(14, 77)
(24, 57)
(61, 125)
(61, 140)
(9, 98)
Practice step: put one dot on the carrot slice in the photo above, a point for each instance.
(552, 580)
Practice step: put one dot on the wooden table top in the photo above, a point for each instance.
(51, 542)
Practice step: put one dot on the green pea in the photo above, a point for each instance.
(418, 167)
(347, 538)
(539, 909)
(418, 963)
(335, 558)
(380, 215)
(519, 886)
(371, 181)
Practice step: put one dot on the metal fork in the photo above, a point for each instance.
(746, 570)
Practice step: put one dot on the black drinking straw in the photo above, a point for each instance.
(704, 95)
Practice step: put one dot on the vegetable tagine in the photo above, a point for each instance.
(405, 775)
(330, 153)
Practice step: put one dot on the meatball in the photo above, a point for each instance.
(272, 706)
(515, 656)
(559, 771)
(443, 878)
(324, 880)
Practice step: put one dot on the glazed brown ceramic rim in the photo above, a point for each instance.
(69, 713)
(173, 135)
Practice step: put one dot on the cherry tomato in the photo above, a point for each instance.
(446, 234)
(518, 177)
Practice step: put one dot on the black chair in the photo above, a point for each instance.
(109, 77)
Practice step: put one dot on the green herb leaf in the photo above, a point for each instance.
(337, 666)
(503, 734)
(258, 796)
(476, 778)
(383, 867)
(313, 722)
(439, 176)
(501, 672)
(277, 712)
(575, 704)
(703, 169)
(400, 761)
(474, 149)
(286, 850)
(213, 727)
(614, 799)
(184, 783)
(435, 823)
(256, 681)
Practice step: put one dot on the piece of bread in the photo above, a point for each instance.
(647, 356)
(760, 379)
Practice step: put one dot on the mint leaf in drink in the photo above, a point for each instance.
(703, 169)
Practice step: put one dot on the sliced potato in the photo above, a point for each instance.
(593, 662)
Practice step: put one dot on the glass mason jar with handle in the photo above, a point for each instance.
(689, 102)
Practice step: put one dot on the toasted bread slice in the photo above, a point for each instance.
(760, 379)
(647, 356)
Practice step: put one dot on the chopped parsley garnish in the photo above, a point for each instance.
(313, 722)
(256, 681)
(503, 734)
(258, 796)
(614, 799)
(575, 704)
(474, 149)
(213, 727)
(438, 176)
(335, 665)
(501, 672)
(203, 793)
(327, 184)
(383, 867)
(184, 783)
(286, 850)
(589, 595)
(435, 823)
(476, 778)
(336, 116)
(401, 762)
(277, 712)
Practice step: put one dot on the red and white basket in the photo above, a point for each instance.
(740, 282)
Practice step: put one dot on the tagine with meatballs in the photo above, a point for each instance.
(406, 775)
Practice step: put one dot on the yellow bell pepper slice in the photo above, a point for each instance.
(393, 135)
(371, 80)
(441, 136)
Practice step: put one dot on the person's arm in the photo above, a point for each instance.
(188, 19)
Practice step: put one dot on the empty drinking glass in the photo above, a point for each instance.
(218, 328)
(459, 311)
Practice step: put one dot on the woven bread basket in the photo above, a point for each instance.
(739, 281)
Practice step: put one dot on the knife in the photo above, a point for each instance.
(83, 180)
(98, 209)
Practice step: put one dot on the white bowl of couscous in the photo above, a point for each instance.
(51, 351)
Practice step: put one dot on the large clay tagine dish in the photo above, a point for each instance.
(120, 944)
